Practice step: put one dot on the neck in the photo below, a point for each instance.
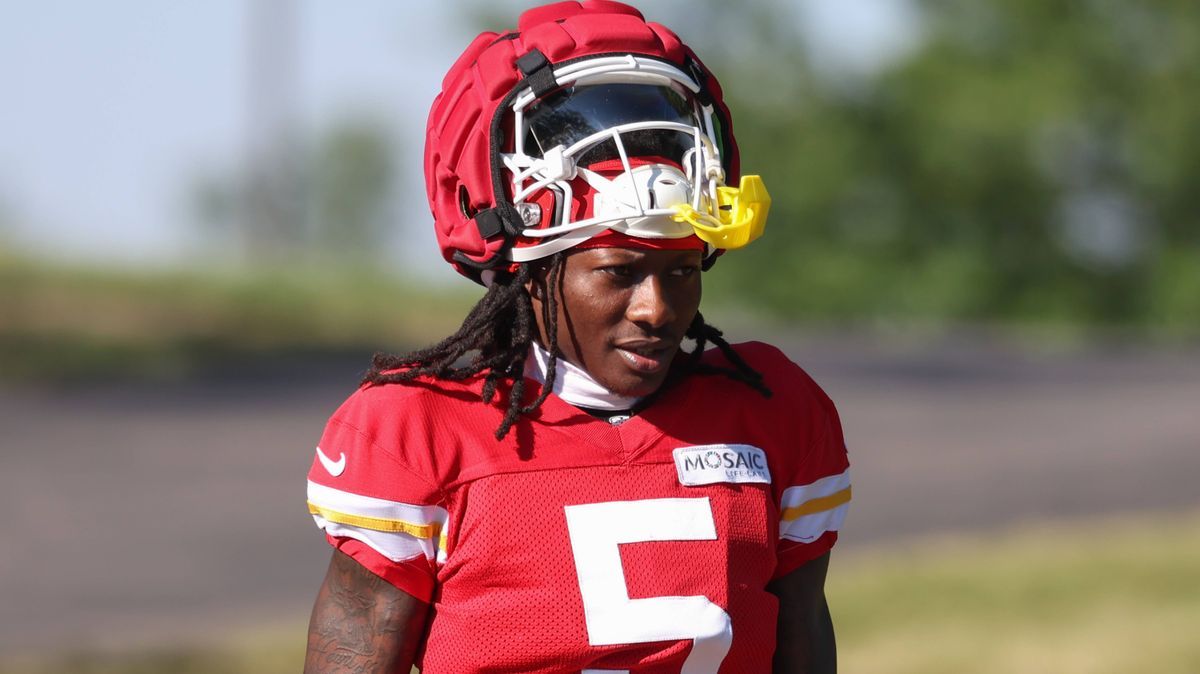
(573, 384)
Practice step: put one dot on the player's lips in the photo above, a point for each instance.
(647, 356)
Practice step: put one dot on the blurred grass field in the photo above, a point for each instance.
(66, 323)
(1100, 597)
(69, 322)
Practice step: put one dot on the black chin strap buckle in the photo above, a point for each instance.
(538, 73)
(503, 219)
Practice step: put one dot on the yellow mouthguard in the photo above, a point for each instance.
(741, 215)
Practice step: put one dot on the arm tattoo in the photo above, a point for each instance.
(362, 623)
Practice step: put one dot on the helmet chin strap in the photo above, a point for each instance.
(569, 240)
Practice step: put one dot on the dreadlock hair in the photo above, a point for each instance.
(499, 330)
(703, 333)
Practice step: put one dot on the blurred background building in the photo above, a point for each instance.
(984, 242)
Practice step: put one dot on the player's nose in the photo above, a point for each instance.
(650, 304)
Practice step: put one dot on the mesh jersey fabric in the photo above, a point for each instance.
(554, 549)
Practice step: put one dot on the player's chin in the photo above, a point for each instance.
(640, 388)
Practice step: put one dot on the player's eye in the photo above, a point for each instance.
(685, 270)
(619, 270)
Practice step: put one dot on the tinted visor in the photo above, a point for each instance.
(573, 113)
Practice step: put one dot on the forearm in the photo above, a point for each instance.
(361, 623)
(810, 648)
(805, 641)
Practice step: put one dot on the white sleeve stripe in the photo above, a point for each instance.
(375, 508)
(399, 531)
(414, 529)
(808, 528)
(808, 511)
(396, 547)
(826, 486)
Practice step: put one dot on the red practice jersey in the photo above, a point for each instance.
(579, 545)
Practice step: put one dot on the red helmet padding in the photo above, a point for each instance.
(561, 10)
(458, 142)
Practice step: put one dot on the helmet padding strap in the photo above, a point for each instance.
(538, 73)
(503, 219)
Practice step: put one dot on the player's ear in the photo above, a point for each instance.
(538, 281)
(536, 287)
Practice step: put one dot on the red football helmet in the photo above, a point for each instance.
(586, 124)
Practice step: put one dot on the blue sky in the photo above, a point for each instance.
(112, 110)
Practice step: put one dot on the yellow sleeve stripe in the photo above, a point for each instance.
(817, 505)
(428, 531)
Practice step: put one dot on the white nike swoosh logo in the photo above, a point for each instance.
(335, 468)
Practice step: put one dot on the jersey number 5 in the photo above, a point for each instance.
(596, 529)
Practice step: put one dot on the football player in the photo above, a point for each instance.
(574, 481)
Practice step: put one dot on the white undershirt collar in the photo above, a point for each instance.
(573, 384)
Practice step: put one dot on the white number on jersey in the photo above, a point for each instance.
(596, 529)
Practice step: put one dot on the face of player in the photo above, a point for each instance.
(623, 312)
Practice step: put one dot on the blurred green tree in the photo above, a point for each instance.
(337, 197)
(353, 177)
(1025, 160)
(1031, 160)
